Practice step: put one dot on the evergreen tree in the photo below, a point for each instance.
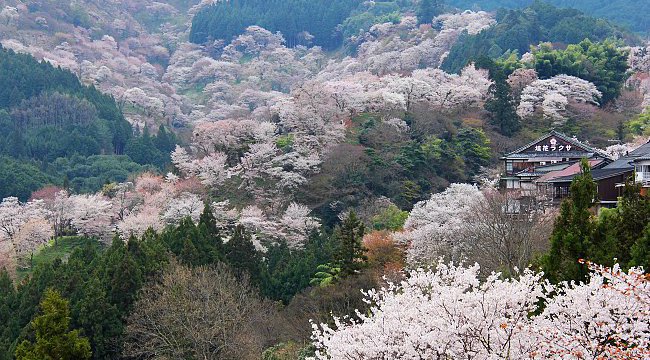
(208, 222)
(427, 10)
(121, 275)
(242, 256)
(164, 141)
(7, 317)
(573, 231)
(501, 105)
(641, 250)
(634, 217)
(99, 319)
(189, 254)
(350, 253)
(53, 340)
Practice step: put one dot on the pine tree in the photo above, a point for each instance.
(212, 244)
(53, 340)
(208, 221)
(350, 253)
(122, 276)
(164, 141)
(573, 231)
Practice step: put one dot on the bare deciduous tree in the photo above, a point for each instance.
(201, 313)
(505, 234)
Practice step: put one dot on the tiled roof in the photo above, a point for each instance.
(569, 171)
(598, 174)
(626, 162)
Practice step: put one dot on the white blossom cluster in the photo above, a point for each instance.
(434, 226)
(450, 313)
(552, 96)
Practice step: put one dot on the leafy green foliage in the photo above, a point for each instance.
(361, 21)
(392, 218)
(30, 89)
(640, 125)
(517, 30)
(604, 64)
(402, 166)
(225, 20)
(326, 274)
(20, 178)
(287, 273)
(53, 340)
(90, 174)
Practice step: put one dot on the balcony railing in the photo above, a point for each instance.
(643, 178)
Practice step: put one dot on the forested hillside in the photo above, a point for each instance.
(293, 180)
(518, 30)
(299, 21)
(628, 13)
(58, 131)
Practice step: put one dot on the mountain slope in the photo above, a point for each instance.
(629, 13)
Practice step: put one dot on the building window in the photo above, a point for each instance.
(509, 166)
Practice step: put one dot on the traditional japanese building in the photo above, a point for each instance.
(544, 169)
(552, 153)
(634, 166)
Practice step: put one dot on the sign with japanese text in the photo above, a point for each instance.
(553, 145)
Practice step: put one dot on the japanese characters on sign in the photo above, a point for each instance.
(553, 146)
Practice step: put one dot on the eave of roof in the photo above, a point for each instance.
(561, 136)
(554, 154)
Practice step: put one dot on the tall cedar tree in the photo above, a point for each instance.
(501, 105)
(634, 217)
(350, 253)
(427, 10)
(53, 340)
(242, 255)
(641, 250)
(573, 231)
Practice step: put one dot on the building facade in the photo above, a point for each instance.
(544, 169)
(554, 152)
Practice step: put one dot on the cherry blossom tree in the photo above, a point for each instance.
(552, 96)
(443, 314)
(520, 79)
(606, 318)
(91, 215)
(296, 225)
(435, 227)
(14, 214)
(60, 211)
(139, 221)
(451, 313)
(470, 21)
(186, 205)
(34, 233)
